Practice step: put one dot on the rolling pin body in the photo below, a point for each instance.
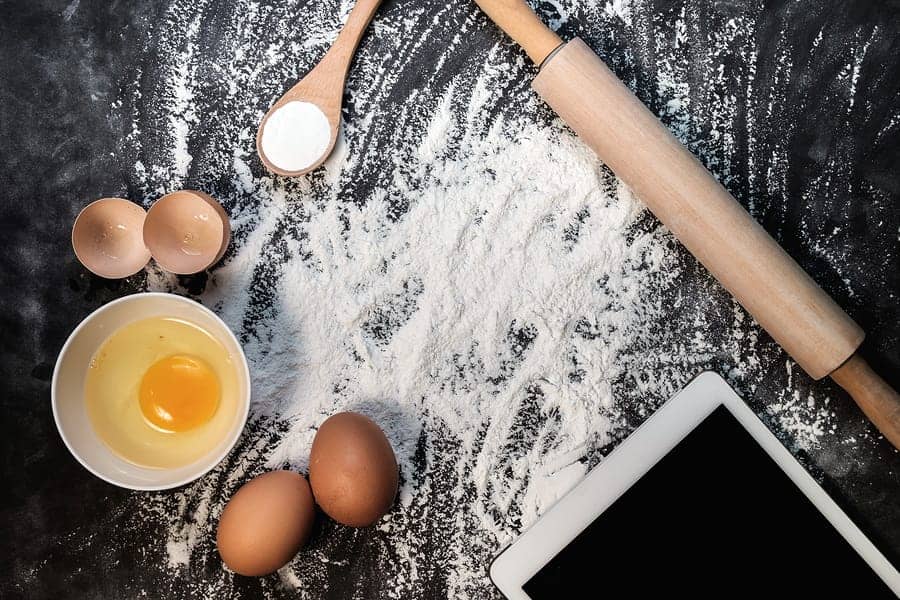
(701, 213)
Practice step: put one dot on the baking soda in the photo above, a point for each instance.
(295, 136)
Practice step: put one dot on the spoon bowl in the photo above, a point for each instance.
(291, 139)
(298, 134)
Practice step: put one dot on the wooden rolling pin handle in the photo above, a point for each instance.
(873, 395)
(521, 24)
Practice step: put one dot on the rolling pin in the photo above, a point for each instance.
(699, 211)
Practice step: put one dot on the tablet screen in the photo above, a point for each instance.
(715, 518)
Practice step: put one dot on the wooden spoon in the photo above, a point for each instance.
(324, 85)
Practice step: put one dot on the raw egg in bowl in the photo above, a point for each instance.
(151, 391)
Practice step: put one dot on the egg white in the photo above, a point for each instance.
(113, 383)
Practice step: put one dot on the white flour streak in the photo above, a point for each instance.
(183, 114)
(805, 419)
(70, 10)
(620, 9)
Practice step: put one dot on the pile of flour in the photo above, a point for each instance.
(509, 290)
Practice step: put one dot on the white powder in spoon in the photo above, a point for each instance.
(296, 136)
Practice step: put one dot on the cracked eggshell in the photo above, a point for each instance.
(107, 238)
(187, 232)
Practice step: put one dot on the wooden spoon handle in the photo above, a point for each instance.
(341, 53)
(517, 19)
(874, 396)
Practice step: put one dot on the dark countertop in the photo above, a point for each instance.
(811, 144)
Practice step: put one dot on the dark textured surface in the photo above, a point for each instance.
(823, 177)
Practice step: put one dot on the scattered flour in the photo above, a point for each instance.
(497, 307)
(462, 269)
(451, 318)
(70, 10)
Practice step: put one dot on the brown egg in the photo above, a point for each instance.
(186, 231)
(353, 470)
(266, 522)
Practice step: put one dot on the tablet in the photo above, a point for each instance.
(701, 501)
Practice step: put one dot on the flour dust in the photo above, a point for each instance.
(462, 270)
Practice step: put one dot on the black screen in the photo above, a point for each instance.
(715, 518)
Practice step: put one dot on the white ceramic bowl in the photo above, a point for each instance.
(67, 390)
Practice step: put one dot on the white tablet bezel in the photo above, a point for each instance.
(634, 457)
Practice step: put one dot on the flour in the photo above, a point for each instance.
(806, 419)
(296, 136)
(442, 322)
(179, 88)
(462, 269)
(508, 307)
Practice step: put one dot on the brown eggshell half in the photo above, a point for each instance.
(353, 470)
(187, 231)
(107, 238)
(266, 523)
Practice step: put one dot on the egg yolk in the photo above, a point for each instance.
(179, 393)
